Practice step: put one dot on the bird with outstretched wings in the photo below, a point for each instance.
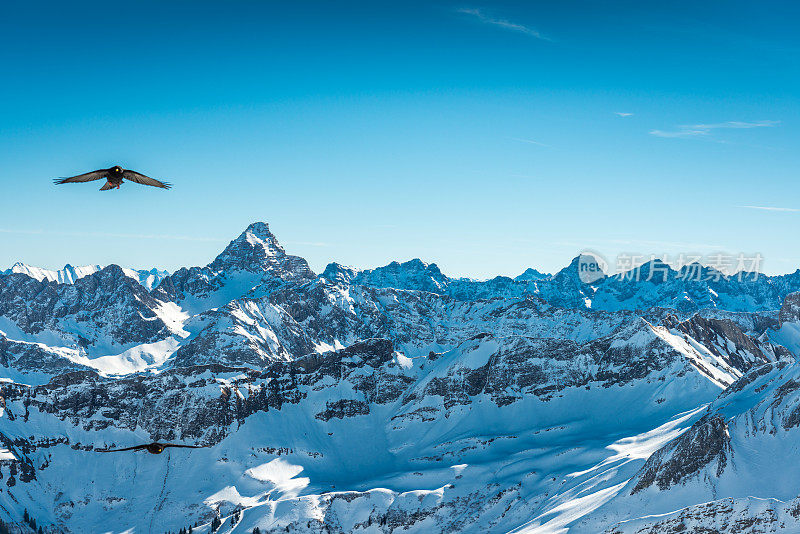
(114, 177)
(152, 448)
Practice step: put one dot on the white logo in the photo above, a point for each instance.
(591, 267)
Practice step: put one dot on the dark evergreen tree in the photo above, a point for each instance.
(215, 524)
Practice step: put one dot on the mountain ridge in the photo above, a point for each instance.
(653, 284)
(330, 403)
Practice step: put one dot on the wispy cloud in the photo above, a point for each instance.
(623, 114)
(502, 23)
(699, 130)
(106, 234)
(22, 232)
(530, 142)
(768, 208)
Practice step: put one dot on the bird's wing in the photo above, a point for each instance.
(134, 176)
(182, 446)
(88, 177)
(136, 448)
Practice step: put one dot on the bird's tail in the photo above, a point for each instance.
(107, 186)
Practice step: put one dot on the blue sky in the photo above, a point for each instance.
(486, 137)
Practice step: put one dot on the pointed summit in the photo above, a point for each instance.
(250, 250)
(259, 231)
(258, 250)
(259, 235)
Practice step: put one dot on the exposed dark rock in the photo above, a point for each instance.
(705, 442)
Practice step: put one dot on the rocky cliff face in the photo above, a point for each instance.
(725, 340)
(706, 443)
(790, 310)
(104, 309)
(787, 333)
(342, 403)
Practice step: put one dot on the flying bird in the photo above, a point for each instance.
(114, 178)
(152, 448)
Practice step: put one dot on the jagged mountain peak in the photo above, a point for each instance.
(258, 250)
(414, 265)
(253, 263)
(530, 274)
(255, 244)
(338, 273)
(258, 233)
(258, 228)
(395, 272)
(412, 274)
(112, 270)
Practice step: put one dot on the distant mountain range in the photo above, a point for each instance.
(397, 399)
(68, 275)
(633, 290)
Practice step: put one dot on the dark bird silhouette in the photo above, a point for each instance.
(114, 178)
(152, 448)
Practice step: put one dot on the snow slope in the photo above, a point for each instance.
(725, 472)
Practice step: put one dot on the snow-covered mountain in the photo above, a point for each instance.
(531, 274)
(395, 400)
(69, 274)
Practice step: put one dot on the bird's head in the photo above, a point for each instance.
(117, 169)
